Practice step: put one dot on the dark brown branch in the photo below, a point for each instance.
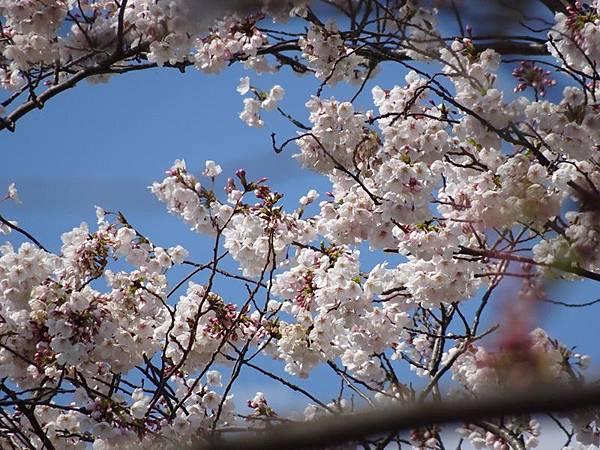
(336, 430)
(104, 67)
(505, 46)
(555, 5)
(25, 233)
(560, 265)
(29, 414)
(571, 305)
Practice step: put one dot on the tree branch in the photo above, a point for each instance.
(336, 430)
(555, 5)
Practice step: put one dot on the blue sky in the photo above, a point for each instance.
(104, 144)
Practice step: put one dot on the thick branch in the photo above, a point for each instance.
(555, 5)
(560, 265)
(103, 67)
(504, 47)
(336, 430)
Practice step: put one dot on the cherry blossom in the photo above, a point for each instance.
(444, 183)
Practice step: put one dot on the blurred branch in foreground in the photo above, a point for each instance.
(336, 430)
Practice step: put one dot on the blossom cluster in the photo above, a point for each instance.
(332, 61)
(264, 101)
